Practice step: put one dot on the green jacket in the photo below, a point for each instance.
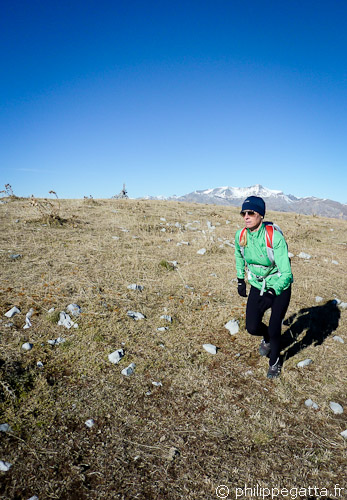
(280, 277)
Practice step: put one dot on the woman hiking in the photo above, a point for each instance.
(261, 247)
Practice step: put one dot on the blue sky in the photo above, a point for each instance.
(173, 96)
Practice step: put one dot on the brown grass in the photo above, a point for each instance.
(229, 426)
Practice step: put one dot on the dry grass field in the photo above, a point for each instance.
(216, 419)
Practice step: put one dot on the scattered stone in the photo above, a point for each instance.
(15, 256)
(5, 466)
(162, 328)
(65, 320)
(27, 318)
(59, 340)
(319, 299)
(135, 315)
(129, 370)
(115, 237)
(249, 372)
(212, 349)
(344, 434)
(12, 312)
(227, 222)
(338, 339)
(183, 243)
(134, 286)
(157, 384)
(166, 317)
(173, 453)
(229, 244)
(39, 364)
(290, 255)
(232, 326)
(335, 262)
(34, 498)
(116, 356)
(74, 309)
(202, 251)
(304, 363)
(163, 219)
(52, 309)
(8, 325)
(173, 262)
(210, 226)
(303, 255)
(336, 408)
(310, 404)
(90, 423)
(343, 305)
(5, 428)
(27, 346)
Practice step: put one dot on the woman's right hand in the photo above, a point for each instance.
(241, 287)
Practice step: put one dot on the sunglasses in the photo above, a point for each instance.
(247, 212)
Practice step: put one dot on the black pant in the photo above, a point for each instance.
(254, 315)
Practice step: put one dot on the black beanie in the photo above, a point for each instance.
(254, 203)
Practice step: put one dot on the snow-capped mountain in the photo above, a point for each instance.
(274, 199)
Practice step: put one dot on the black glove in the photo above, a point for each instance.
(241, 287)
(266, 300)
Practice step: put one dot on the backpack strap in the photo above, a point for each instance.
(242, 249)
(269, 236)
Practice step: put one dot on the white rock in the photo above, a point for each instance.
(34, 498)
(65, 320)
(212, 349)
(232, 326)
(163, 219)
(335, 262)
(343, 305)
(336, 408)
(74, 309)
(57, 341)
(202, 251)
(249, 372)
(310, 404)
(290, 255)
(173, 262)
(116, 356)
(157, 384)
(227, 222)
(338, 339)
(115, 237)
(304, 363)
(227, 242)
(344, 434)
(210, 227)
(166, 317)
(52, 309)
(183, 243)
(163, 230)
(135, 315)
(8, 325)
(39, 364)
(319, 299)
(5, 466)
(162, 328)
(5, 428)
(27, 346)
(89, 423)
(27, 318)
(12, 312)
(129, 370)
(134, 286)
(304, 255)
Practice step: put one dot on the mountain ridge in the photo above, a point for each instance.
(275, 200)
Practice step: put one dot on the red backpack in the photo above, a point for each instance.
(270, 227)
